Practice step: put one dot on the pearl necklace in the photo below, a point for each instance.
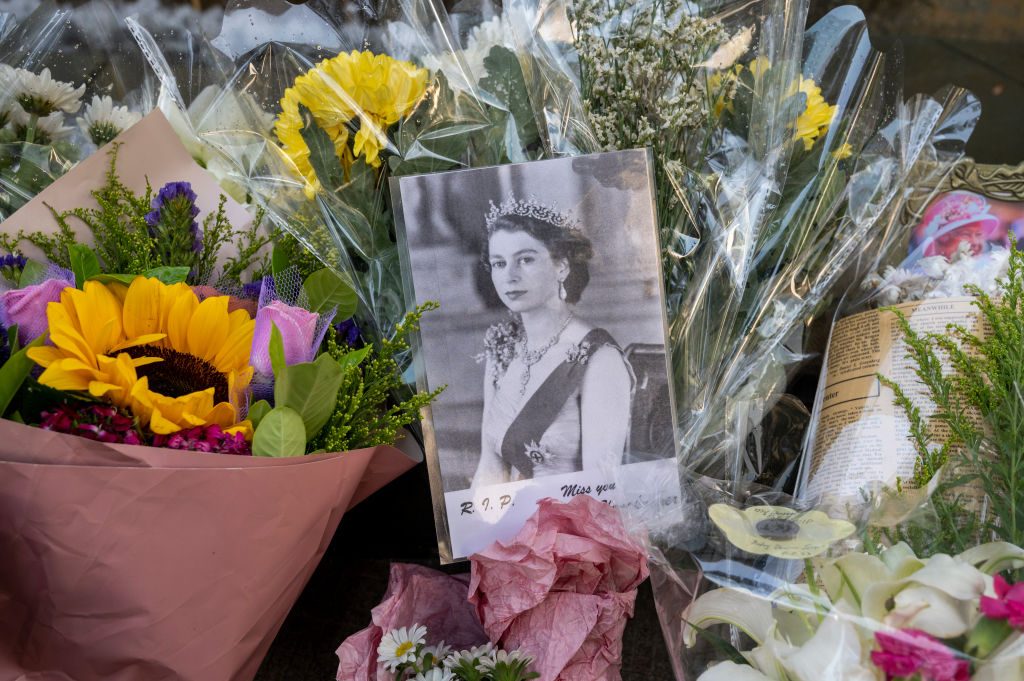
(531, 357)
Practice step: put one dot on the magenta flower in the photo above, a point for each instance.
(26, 307)
(94, 422)
(910, 651)
(209, 438)
(298, 329)
(1008, 604)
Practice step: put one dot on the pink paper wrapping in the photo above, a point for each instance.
(127, 563)
(415, 595)
(562, 590)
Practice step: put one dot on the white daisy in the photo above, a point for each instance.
(399, 646)
(40, 95)
(435, 674)
(471, 656)
(505, 659)
(102, 121)
(48, 129)
(437, 653)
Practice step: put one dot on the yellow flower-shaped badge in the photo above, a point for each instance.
(778, 531)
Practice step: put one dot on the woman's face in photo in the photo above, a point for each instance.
(523, 272)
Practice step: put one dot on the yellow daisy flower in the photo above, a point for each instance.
(159, 352)
(374, 89)
(817, 115)
(779, 531)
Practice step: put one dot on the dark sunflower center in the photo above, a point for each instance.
(179, 373)
(779, 529)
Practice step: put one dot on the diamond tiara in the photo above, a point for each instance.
(531, 208)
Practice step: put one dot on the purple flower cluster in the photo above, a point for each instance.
(211, 438)
(13, 262)
(94, 422)
(251, 291)
(348, 332)
(175, 198)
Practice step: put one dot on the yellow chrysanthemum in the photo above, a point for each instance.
(374, 89)
(817, 115)
(159, 352)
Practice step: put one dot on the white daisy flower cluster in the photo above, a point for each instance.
(34, 107)
(404, 653)
(103, 121)
(938, 277)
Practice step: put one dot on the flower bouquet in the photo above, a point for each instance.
(187, 415)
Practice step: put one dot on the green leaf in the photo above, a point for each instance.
(279, 260)
(326, 290)
(14, 372)
(32, 273)
(84, 263)
(257, 411)
(12, 339)
(125, 279)
(311, 389)
(354, 358)
(276, 349)
(280, 434)
(322, 155)
(168, 274)
(505, 81)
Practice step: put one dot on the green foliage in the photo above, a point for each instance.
(280, 434)
(362, 416)
(124, 244)
(982, 405)
(505, 80)
(84, 263)
(118, 227)
(311, 389)
(326, 290)
(15, 370)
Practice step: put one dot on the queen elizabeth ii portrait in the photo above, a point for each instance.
(557, 389)
(549, 337)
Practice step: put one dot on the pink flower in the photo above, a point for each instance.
(910, 651)
(210, 438)
(26, 307)
(1008, 604)
(94, 422)
(298, 329)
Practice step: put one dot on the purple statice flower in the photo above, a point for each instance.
(13, 262)
(209, 438)
(174, 201)
(94, 422)
(251, 291)
(348, 331)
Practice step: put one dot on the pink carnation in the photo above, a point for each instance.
(910, 651)
(1008, 604)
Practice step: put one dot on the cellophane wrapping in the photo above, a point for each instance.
(88, 49)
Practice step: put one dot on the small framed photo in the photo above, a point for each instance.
(550, 338)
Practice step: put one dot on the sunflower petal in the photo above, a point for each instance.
(142, 307)
(208, 328)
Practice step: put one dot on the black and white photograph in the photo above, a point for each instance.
(550, 335)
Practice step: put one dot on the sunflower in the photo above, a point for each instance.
(159, 352)
(374, 90)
